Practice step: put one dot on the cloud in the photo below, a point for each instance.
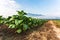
(8, 7)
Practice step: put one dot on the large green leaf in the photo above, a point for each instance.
(21, 13)
(17, 22)
(19, 31)
(1, 21)
(15, 16)
(11, 19)
(12, 26)
(25, 27)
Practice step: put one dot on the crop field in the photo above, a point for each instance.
(29, 28)
(57, 23)
(20, 22)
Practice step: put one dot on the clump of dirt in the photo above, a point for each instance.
(45, 32)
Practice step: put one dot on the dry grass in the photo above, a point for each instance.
(57, 23)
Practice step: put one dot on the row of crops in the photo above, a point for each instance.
(21, 22)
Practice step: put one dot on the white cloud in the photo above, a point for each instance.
(8, 7)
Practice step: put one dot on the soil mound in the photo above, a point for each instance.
(46, 32)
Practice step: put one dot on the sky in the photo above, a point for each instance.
(44, 7)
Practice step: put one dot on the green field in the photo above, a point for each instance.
(57, 23)
(21, 22)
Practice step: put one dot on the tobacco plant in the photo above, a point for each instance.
(21, 22)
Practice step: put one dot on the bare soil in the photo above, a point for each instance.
(45, 32)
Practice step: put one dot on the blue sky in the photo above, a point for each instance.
(44, 7)
(36, 5)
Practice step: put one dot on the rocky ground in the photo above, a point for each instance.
(48, 31)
